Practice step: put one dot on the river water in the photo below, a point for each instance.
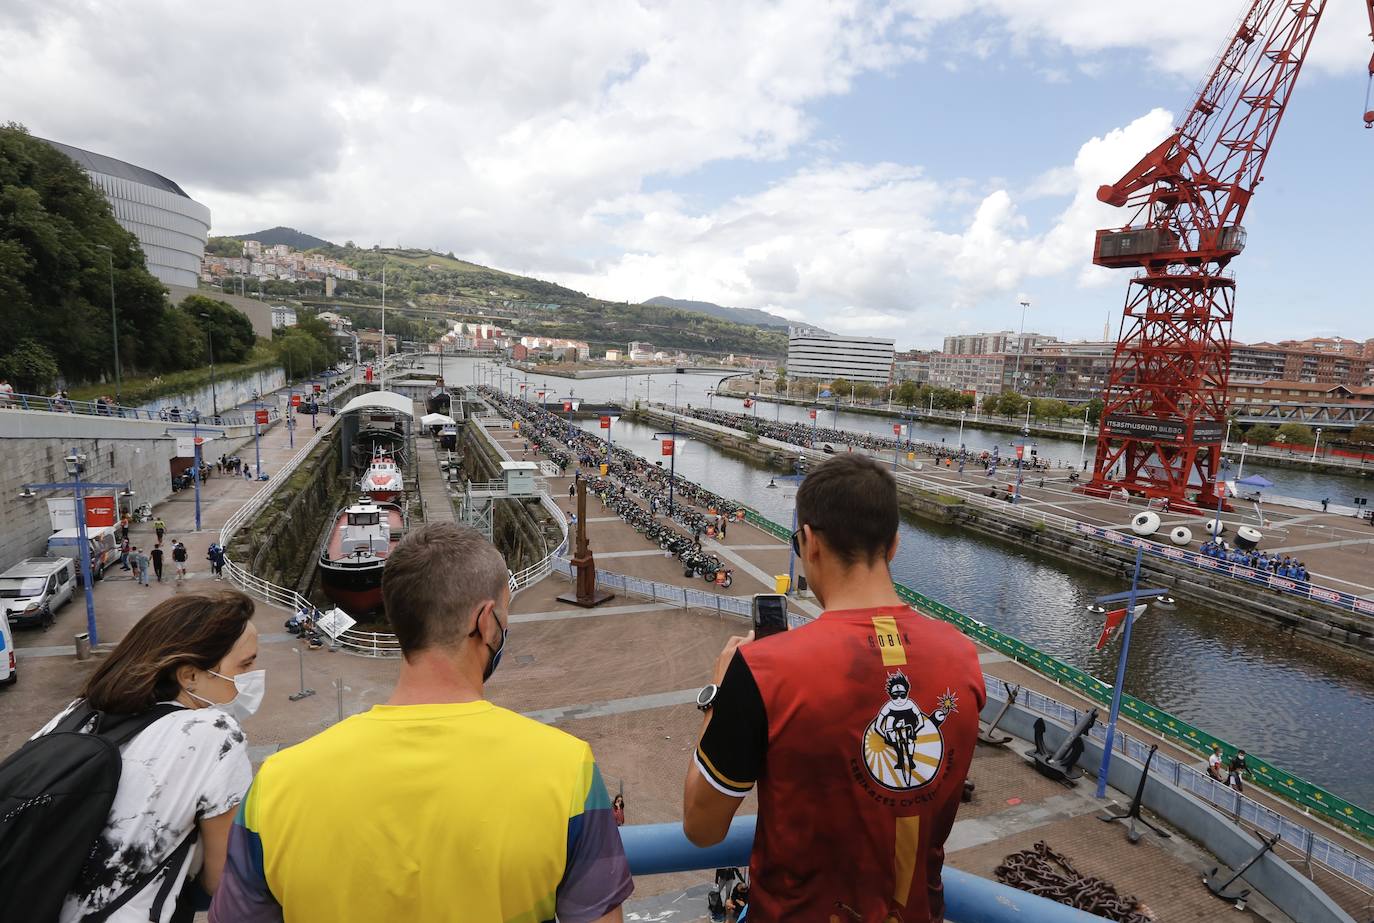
(1301, 706)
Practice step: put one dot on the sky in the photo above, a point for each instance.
(908, 169)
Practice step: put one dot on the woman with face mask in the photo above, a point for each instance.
(186, 773)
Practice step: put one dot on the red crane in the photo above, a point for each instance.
(1164, 417)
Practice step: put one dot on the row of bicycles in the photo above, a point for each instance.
(696, 562)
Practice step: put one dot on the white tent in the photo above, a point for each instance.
(437, 419)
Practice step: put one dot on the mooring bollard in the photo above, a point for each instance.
(297, 696)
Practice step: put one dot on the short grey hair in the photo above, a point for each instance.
(433, 580)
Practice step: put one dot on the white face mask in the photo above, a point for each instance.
(251, 687)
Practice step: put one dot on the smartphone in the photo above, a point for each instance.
(770, 614)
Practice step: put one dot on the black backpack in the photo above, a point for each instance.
(55, 799)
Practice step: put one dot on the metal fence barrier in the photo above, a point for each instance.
(1305, 842)
(121, 412)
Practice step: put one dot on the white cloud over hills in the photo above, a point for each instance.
(524, 134)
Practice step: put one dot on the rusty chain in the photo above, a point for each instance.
(1044, 872)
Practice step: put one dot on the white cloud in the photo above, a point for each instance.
(522, 133)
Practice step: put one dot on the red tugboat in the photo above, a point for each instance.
(354, 552)
(382, 480)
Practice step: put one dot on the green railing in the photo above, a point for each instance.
(1306, 795)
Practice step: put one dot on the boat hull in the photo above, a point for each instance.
(356, 589)
(383, 495)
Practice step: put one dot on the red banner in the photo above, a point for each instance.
(295, 400)
(748, 403)
(100, 511)
(1020, 451)
(260, 416)
(605, 422)
(317, 387)
(367, 373)
(896, 429)
(813, 414)
(567, 406)
(667, 447)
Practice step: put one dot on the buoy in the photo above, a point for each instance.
(1181, 535)
(1097, 610)
(1165, 602)
(1214, 526)
(1248, 537)
(1145, 523)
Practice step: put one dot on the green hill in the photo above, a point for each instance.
(426, 282)
(289, 236)
(738, 315)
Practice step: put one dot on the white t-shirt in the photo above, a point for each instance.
(1214, 762)
(190, 764)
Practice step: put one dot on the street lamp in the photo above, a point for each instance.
(1020, 342)
(1220, 489)
(1226, 443)
(1083, 449)
(114, 322)
(1241, 470)
(962, 414)
(75, 464)
(195, 429)
(1315, 444)
(1028, 410)
(670, 448)
(214, 398)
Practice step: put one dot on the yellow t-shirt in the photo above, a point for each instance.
(453, 812)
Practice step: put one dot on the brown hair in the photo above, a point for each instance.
(851, 500)
(193, 631)
(433, 580)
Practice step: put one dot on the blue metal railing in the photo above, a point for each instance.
(658, 848)
(121, 412)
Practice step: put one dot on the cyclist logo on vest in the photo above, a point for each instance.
(903, 746)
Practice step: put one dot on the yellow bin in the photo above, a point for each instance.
(604, 469)
(781, 583)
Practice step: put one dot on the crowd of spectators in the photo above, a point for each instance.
(1284, 566)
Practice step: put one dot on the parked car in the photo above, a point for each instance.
(9, 669)
(34, 589)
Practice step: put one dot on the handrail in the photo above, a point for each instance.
(38, 402)
(1303, 840)
(654, 849)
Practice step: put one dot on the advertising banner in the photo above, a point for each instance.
(100, 511)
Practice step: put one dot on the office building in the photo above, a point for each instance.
(170, 226)
(1003, 341)
(825, 357)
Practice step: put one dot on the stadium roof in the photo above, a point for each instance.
(99, 163)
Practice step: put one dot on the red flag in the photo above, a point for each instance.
(295, 400)
(748, 403)
(1114, 620)
(605, 422)
(667, 447)
(260, 416)
(813, 414)
(896, 429)
(1021, 453)
(567, 406)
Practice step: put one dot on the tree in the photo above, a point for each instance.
(992, 403)
(781, 381)
(840, 387)
(230, 330)
(1362, 435)
(224, 246)
(1297, 434)
(300, 353)
(30, 366)
(907, 394)
(1261, 434)
(1094, 407)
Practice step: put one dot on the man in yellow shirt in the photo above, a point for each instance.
(437, 806)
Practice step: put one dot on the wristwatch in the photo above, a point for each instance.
(707, 695)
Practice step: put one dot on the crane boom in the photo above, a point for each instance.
(1164, 409)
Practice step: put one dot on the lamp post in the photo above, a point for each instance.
(1083, 449)
(1028, 410)
(1315, 444)
(114, 323)
(76, 466)
(671, 445)
(1241, 471)
(1220, 490)
(1020, 343)
(257, 438)
(214, 398)
(1226, 443)
(195, 429)
(962, 415)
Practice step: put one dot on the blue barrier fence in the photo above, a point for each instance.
(1290, 587)
(658, 848)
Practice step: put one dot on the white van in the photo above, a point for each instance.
(35, 588)
(104, 548)
(9, 670)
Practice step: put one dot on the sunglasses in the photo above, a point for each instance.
(796, 547)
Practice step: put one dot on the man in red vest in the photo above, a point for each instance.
(858, 728)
